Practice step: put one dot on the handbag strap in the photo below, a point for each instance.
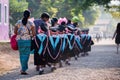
(28, 30)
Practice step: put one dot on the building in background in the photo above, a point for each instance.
(4, 20)
(100, 28)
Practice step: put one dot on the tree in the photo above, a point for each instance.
(16, 9)
(64, 8)
(90, 16)
(115, 11)
(114, 8)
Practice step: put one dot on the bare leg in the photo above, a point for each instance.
(67, 61)
(60, 64)
(117, 48)
(37, 67)
(53, 67)
(41, 70)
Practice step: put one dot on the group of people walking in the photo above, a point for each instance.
(51, 40)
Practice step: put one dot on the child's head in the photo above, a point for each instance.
(54, 21)
(45, 16)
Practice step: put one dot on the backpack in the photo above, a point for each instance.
(13, 42)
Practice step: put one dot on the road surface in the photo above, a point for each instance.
(102, 64)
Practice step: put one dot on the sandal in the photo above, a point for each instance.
(24, 73)
(41, 72)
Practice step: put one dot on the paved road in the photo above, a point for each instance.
(102, 64)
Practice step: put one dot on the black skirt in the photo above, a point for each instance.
(39, 59)
(117, 39)
(53, 53)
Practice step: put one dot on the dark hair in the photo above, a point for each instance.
(53, 21)
(118, 28)
(61, 28)
(45, 15)
(26, 15)
(63, 23)
(75, 24)
(69, 21)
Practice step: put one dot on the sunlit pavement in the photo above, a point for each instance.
(105, 42)
(102, 64)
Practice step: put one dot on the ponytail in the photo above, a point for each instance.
(52, 23)
(24, 21)
(26, 16)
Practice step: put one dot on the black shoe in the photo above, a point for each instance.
(83, 55)
(41, 72)
(53, 69)
(24, 73)
(76, 58)
(67, 63)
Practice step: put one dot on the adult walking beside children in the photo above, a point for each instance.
(24, 29)
(42, 29)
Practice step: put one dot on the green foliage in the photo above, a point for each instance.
(90, 16)
(115, 14)
(115, 11)
(83, 9)
(16, 9)
(16, 6)
(75, 19)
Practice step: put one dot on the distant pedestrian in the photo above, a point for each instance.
(117, 36)
(97, 37)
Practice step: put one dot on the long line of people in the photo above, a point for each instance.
(57, 40)
(51, 40)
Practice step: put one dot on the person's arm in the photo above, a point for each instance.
(15, 30)
(17, 25)
(33, 30)
(44, 27)
(114, 35)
